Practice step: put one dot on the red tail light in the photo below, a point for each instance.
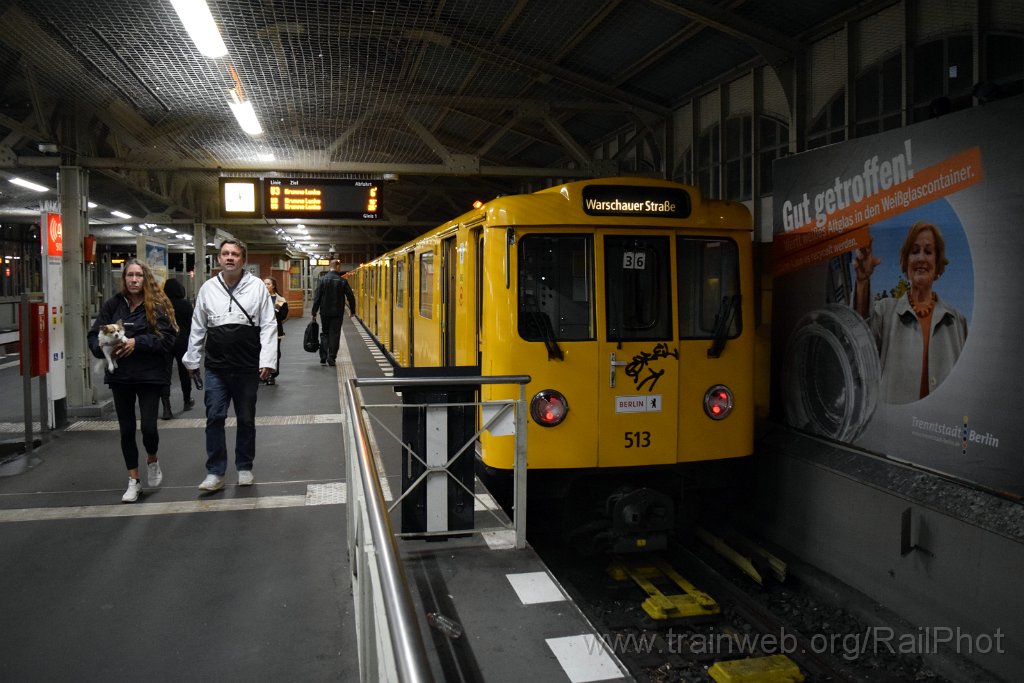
(718, 402)
(548, 408)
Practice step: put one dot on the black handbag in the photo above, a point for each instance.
(311, 337)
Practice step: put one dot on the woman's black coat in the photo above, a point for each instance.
(148, 364)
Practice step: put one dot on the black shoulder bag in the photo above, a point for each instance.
(240, 306)
(250, 342)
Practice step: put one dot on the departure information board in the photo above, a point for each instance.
(321, 198)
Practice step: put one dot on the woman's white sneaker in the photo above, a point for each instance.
(245, 478)
(154, 474)
(132, 493)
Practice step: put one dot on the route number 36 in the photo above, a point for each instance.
(638, 439)
(634, 260)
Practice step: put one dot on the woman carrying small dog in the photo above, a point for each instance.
(142, 365)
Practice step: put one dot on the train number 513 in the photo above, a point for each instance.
(638, 439)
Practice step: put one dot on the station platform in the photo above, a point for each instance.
(247, 583)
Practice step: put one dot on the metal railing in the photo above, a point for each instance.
(390, 642)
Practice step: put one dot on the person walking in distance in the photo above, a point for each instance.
(234, 325)
(281, 312)
(330, 297)
(141, 320)
(175, 291)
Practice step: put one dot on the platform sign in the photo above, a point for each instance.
(54, 229)
(321, 198)
(52, 247)
(886, 241)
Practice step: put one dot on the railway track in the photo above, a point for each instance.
(686, 615)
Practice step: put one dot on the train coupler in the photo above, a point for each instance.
(641, 519)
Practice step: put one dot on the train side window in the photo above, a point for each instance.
(556, 287)
(637, 296)
(427, 284)
(400, 284)
(709, 285)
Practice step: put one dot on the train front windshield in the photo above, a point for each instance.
(555, 287)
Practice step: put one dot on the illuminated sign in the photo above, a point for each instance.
(629, 200)
(240, 197)
(321, 198)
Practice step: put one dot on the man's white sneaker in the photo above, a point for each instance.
(212, 483)
(245, 478)
(154, 474)
(132, 493)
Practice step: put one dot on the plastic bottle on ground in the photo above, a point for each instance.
(449, 627)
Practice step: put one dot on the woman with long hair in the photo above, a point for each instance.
(281, 313)
(142, 367)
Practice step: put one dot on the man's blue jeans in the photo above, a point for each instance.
(222, 389)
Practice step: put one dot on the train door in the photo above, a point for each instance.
(638, 357)
(389, 305)
(449, 270)
(477, 238)
(410, 269)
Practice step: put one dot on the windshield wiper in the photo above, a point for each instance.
(723, 323)
(547, 332)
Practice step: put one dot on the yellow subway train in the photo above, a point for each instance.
(628, 302)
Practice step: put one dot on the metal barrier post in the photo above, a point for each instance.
(26, 368)
(519, 472)
(390, 642)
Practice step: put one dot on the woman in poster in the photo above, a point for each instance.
(919, 337)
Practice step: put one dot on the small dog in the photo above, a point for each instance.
(110, 336)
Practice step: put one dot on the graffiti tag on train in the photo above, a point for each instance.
(640, 364)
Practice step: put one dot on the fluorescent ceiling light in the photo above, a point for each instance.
(196, 17)
(246, 116)
(119, 214)
(170, 230)
(265, 157)
(92, 205)
(126, 228)
(30, 185)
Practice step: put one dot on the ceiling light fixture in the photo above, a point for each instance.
(202, 29)
(29, 184)
(120, 214)
(245, 114)
(241, 107)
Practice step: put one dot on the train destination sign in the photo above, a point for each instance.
(627, 200)
(321, 198)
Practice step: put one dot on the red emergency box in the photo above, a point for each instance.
(39, 363)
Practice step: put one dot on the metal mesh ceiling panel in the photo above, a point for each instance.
(432, 90)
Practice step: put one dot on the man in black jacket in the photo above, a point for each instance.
(330, 297)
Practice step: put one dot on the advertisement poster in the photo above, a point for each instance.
(156, 258)
(896, 322)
